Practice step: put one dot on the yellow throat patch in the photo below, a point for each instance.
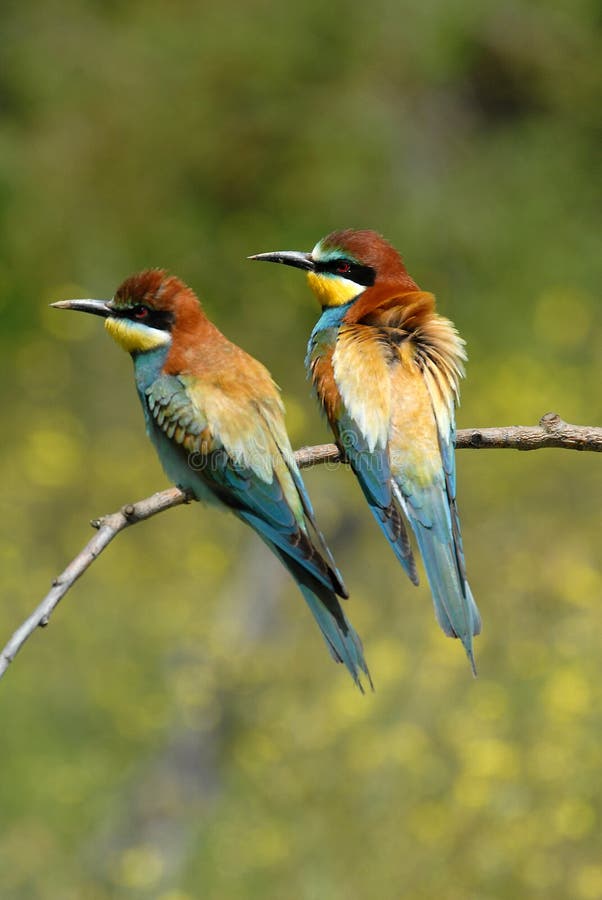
(134, 336)
(332, 290)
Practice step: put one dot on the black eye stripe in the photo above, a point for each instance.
(364, 275)
(155, 318)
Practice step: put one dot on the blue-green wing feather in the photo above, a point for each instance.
(370, 465)
(173, 414)
(373, 471)
(263, 506)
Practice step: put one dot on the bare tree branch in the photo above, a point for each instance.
(107, 527)
(552, 431)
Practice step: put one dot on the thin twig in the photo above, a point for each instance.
(552, 431)
(107, 527)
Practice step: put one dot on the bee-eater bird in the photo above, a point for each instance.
(216, 420)
(386, 369)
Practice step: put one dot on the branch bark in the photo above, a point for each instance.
(552, 431)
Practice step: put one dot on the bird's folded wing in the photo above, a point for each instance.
(423, 465)
(175, 412)
(361, 375)
(248, 467)
(441, 393)
(275, 423)
(362, 372)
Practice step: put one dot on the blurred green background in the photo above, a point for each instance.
(179, 731)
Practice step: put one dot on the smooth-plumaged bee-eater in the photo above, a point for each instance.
(386, 369)
(216, 420)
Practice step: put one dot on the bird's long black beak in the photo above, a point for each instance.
(288, 258)
(96, 307)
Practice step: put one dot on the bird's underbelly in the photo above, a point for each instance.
(413, 437)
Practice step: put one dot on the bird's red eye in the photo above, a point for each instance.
(343, 268)
(140, 312)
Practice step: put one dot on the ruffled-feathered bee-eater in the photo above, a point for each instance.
(216, 420)
(386, 369)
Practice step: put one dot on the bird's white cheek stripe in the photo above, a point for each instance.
(134, 336)
(332, 290)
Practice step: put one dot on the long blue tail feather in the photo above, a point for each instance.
(438, 535)
(341, 638)
(345, 645)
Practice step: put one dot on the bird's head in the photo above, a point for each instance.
(343, 264)
(145, 310)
